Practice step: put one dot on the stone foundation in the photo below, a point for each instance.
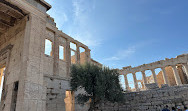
(150, 100)
(59, 97)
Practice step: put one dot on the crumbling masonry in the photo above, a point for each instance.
(35, 59)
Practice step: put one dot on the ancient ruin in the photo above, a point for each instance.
(178, 65)
(35, 59)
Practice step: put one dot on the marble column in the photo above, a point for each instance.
(176, 75)
(144, 78)
(126, 82)
(165, 76)
(87, 55)
(56, 55)
(68, 56)
(186, 68)
(135, 81)
(77, 54)
(154, 76)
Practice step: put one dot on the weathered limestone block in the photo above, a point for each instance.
(151, 86)
(164, 86)
(152, 100)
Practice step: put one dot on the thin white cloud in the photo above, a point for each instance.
(80, 13)
(82, 30)
(112, 58)
(61, 19)
(122, 54)
(75, 21)
(86, 38)
(76, 8)
(130, 51)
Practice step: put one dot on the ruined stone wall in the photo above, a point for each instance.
(150, 100)
(182, 74)
(177, 67)
(170, 76)
(13, 36)
(56, 70)
(56, 97)
(55, 94)
(82, 58)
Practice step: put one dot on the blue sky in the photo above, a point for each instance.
(125, 32)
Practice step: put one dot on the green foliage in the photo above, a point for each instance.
(98, 83)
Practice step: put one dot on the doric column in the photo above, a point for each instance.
(87, 55)
(165, 76)
(154, 76)
(135, 81)
(78, 53)
(68, 56)
(176, 75)
(56, 55)
(126, 82)
(144, 78)
(186, 68)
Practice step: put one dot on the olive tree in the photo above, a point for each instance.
(99, 83)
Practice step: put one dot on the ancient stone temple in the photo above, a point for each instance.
(173, 72)
(168, 86)
(35, 60)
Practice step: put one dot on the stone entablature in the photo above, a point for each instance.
(181, 59)
(40, 5)
(58, 38)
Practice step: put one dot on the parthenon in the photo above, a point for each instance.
(173, 62)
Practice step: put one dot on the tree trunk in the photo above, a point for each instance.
(92, 106)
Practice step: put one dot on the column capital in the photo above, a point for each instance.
(121, 72)
(125, 74)
(78, 45)
(133, 72)
(153, 69)
(174, 66)
(143, 71)
(87, 49)
(68, 40)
